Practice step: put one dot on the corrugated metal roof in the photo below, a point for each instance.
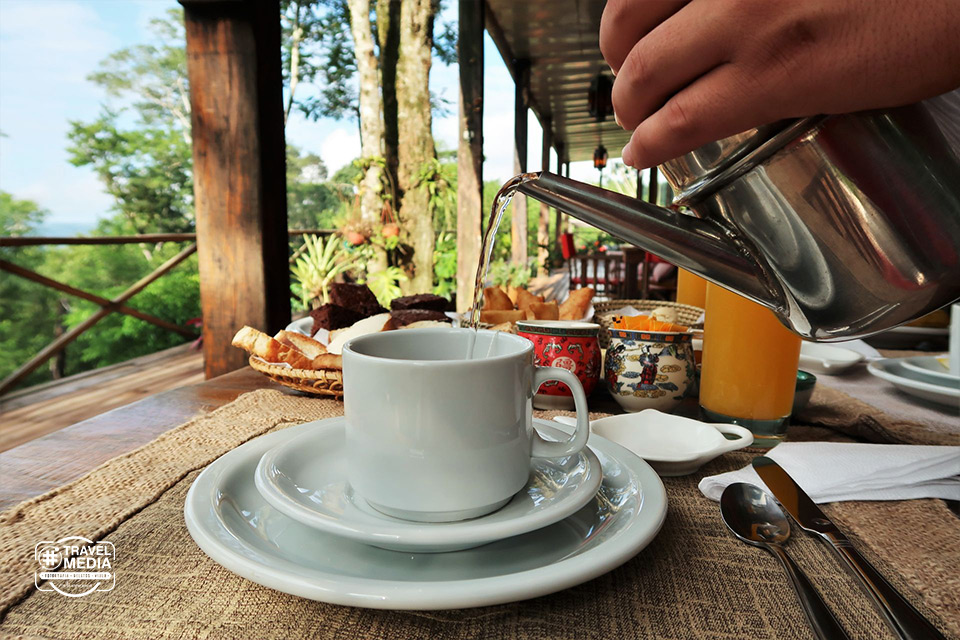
(560, 39)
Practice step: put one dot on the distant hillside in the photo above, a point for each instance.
(61, 229)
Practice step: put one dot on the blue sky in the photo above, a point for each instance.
(48, 47)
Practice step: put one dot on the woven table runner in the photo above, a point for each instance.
(695, 580)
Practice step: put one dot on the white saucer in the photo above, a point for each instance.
(893, 371)
(673, 445)
(827, 359)
(933, 368)
(306, 478)
(231, 523)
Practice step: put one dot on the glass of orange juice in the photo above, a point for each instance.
(691, 288)
(749, 366)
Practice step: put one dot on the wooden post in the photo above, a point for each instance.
(469, 150)
(233, 61)
(543, 223)
(518, 228)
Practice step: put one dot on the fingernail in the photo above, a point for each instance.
(617, 119)
(627, 155)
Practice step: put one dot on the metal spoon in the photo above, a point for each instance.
(754, 517)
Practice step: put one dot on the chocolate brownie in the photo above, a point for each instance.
(403, 317)
(332, 316)
(420, 301)
(357, 297)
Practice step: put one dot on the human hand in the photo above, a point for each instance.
(689, 72)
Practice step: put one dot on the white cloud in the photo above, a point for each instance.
(339, 148)
(75, 195)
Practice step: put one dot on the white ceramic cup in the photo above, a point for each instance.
(436, 436)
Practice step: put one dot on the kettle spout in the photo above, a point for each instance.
(695, 244)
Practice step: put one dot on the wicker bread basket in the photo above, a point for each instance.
(687, 315)
(322, 382)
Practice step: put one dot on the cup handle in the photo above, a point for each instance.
(546, 449)
(744, 437)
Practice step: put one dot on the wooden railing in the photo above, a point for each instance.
(114, 305)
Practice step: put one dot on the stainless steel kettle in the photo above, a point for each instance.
(843, 225)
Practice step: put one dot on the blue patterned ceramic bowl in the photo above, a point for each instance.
(649, 369)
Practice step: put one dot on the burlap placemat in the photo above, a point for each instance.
(835, 410)
(694, 581)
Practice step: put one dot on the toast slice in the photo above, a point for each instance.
(266, 348)
(310, 347)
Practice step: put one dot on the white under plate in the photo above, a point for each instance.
(827, 359)
(306, 479)
(907, 381)
(906, 337)
(933, 368)
(231, 522)
(303, 325)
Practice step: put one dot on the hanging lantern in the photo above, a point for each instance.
(600, 98)
(600, 157)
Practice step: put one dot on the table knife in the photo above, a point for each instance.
(902, 617)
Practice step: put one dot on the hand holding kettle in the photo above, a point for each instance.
(691, 72)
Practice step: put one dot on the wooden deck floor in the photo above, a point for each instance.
(40, 410)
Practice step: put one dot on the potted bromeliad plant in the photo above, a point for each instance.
(317, 264)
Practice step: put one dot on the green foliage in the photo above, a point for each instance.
(148, 171)
(175, 297)
(385, 284)
(326, 58)
(146, 167)
(312, 203)
(439, 180)
(505, 273)
(445, 42)
(27, 310)
(445, 265)
(320, 263)
(153, 76)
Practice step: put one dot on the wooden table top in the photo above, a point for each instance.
(53, 460)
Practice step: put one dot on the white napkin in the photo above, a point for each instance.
(838, 471)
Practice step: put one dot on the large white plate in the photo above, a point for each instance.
(231, 522)
(827, 359)
(306, 479)
(893, 372)
(932, 368)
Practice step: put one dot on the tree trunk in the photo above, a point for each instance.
(415, 138)
(388, 35)
(371, 124)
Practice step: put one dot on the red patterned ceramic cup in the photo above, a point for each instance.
(568, 345)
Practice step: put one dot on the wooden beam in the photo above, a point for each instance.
(103, 302)
(63, 340)
(233, 60)
(143, 238)
(469, 149)
(543, 222)
(518, 228)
